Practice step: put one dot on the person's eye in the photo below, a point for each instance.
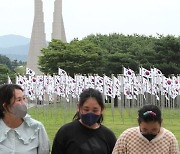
(86, 110)
(145, 130)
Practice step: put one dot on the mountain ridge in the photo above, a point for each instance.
(15, 47)
(12, 40)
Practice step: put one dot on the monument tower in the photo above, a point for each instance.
(58, 31)
(38, 37)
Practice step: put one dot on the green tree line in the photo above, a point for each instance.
(8, 68)
(106, 54)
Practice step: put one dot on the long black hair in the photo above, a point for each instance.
(90, 93)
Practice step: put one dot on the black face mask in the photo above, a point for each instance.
(89, 118)
(149, 136)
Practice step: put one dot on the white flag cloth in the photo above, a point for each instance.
(128, 75)
(91, 81)
(30, 72)
(153, 82)
(145, 73)
(62, 72)
(9, 80)
(80, 83)
(98, 83)
(128, 72)
(116, 87)
(107, 86)
(128, 91)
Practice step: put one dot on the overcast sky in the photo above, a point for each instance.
(84, 17)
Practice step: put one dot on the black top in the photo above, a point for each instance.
(75, 138)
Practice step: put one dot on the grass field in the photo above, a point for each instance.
(53, 117)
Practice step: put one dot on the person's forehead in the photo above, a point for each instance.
(91, 102)
(18, 93)
(150, 125)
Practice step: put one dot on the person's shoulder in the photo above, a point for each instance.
(168, 133)
(129, 132)
(69, 125)
(1, 122)
(31, 122)
(66, 128)
(106, 130)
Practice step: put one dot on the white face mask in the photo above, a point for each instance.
(19, 110)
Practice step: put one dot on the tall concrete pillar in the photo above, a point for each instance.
(38, 37)
(58, 31)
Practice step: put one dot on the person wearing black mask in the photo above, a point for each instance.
(85, 134)
(149, 136)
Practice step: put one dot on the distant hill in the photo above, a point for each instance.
(7, 41)
(14, 47)
(21, 49)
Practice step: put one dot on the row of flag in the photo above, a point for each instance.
(130, 84)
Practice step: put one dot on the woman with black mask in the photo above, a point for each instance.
(149, 137)
(86, 134)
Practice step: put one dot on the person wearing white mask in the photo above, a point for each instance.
(19, 133)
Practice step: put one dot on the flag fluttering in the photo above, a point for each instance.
(129, 84)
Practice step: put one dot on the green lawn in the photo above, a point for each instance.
(54, 116)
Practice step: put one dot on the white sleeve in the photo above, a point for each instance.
(44, 145)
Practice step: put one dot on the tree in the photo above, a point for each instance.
(76, 57)
(6, 61)
(168, 53)
(4, 73)
(105, 54)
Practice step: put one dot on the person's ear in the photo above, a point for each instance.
(5, 107)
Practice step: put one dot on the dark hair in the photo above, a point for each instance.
(6, 94)
(90, 93)
(149, 113)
